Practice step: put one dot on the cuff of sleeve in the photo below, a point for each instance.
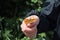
(33, 12)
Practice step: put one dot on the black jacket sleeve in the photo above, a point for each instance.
(48, 6)
(58, 26)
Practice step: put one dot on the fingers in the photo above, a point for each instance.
(30, 34)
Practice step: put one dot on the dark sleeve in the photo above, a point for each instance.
(47, 9)
(44, 24)
(58, 26)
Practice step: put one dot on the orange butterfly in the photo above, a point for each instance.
(29, 21)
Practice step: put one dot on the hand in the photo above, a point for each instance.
(30, 32)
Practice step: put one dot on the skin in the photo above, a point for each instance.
(30, 32)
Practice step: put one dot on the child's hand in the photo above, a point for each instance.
(30, 29)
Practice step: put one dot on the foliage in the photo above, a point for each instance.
(11, 16)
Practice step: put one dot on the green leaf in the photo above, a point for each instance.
(34, 1)
(7, 33)
(38, 9)
(42, 34)
(1, 18)
(21, 19)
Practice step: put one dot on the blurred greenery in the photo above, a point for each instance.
(11, 16)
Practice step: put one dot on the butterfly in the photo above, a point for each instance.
(29, 21)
